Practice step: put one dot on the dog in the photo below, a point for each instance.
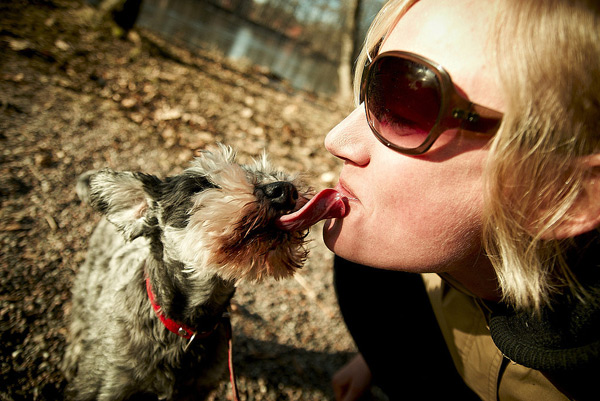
(163, 264)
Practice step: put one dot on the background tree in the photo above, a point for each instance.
(347, 50)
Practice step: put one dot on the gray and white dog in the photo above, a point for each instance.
(162, 267)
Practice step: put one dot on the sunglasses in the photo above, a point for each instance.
(410, 101)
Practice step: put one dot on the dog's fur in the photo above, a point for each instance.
(195, 236)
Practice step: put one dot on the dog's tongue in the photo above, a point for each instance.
(327, 204)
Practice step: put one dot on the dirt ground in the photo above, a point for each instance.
(73, 97)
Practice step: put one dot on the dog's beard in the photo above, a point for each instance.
(236, 238)
(234, 234)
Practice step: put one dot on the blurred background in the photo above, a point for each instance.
(144, 85)
(309, 43)
(303, 42)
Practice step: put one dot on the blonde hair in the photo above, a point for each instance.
(550, 73)
(548, 57)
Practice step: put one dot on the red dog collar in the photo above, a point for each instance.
(180, 329)
(190, 334)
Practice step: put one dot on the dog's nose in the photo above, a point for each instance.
(282, 195)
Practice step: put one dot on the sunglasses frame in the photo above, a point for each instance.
(456, 111)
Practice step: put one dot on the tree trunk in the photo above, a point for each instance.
(347, 51)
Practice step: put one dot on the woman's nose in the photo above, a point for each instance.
(351, 138)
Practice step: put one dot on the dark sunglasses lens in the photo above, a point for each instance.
(403, 100)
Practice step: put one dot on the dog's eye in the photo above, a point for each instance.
(194, 189)
(200, 184)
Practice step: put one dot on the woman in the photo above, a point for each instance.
(472, 159)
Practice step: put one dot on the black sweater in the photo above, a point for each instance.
(563, 342)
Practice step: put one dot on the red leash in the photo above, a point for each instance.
(229, 333)
(190, 334)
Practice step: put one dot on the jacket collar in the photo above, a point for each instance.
(566, 335)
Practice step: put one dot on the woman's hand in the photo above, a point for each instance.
(352, 381)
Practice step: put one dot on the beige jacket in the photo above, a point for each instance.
(463, 320)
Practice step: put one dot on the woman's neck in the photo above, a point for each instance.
(480, 279)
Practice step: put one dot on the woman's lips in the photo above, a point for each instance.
(343, 189)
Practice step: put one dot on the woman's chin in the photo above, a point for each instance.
(331, 233)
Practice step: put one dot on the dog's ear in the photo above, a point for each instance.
(126, 198)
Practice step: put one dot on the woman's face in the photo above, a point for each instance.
(420, 213)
